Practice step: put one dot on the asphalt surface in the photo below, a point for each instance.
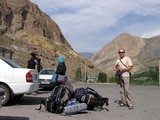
(146, 105)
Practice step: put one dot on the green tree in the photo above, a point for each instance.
(113, 79)
(102, 77)
(78, 74)
(154, 73)
(149, 77)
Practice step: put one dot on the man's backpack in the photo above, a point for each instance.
(58, 98)
(91, 98)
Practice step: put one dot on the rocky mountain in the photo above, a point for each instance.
(144, 52)
(24, 28)
(21, 18)
(86, 54)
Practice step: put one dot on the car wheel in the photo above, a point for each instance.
(17, 97)
(6, 96)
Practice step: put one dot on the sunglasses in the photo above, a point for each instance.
(120, 52)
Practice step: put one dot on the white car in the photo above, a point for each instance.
(45, 76)
(16, 81)
(1, 96)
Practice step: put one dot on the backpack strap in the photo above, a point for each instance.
(102, 100)
(42, 103)
(58, 95)
(99, 108)
(40, 107)
(92, 91)
(88, 88)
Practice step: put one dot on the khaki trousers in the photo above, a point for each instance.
(125, 91)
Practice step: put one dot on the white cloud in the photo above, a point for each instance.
(84, 21)
(151, 34)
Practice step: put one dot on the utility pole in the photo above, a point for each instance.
(85, 70)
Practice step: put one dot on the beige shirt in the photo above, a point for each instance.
(127, 61)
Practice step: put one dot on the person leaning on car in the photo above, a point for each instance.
(123, 66)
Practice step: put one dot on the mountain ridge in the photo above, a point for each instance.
(86, 54)
(140, 50)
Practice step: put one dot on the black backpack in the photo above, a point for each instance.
(56, 102)
(91, 98)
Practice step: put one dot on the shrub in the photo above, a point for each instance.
(102, 77)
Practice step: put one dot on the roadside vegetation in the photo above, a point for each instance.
(149, 77)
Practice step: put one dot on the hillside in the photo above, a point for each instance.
(87, 55)
(143, 52)
(24, 28)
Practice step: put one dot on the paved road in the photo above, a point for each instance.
(146, 100)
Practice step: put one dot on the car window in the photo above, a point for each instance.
(48, 72)
(42, 72)
(10, 62)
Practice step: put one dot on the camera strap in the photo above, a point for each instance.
(125, 66)
(122, 63)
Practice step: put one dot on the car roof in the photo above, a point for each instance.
(10, 62)
(2, 58)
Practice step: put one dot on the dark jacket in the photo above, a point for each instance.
(61, 69)
(32, 63)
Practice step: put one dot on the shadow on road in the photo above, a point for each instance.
(13, 118)
(43, 92)
(79, 113)
(30, 99)
(27, 100)
(117, 101)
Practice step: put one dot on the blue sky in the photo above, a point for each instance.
(88, 25)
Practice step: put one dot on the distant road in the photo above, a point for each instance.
(146, 106)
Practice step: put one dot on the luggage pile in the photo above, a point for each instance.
(65, 100)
